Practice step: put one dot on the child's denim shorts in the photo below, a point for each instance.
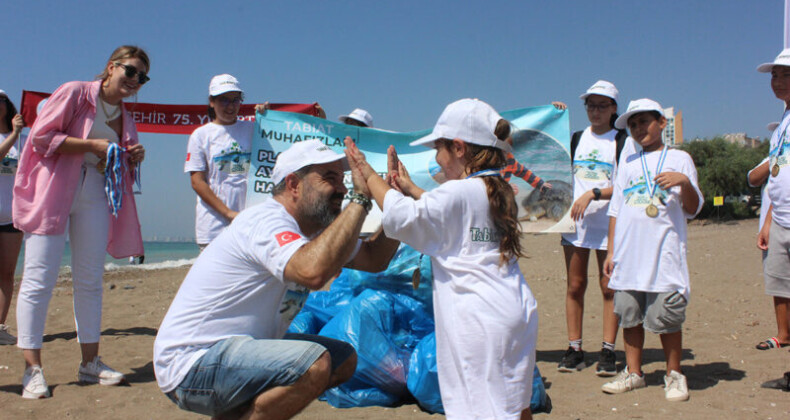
(660, 313)
(235, 370)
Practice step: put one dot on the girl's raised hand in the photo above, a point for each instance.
(392, 168)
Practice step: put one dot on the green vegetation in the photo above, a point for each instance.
(722, 169)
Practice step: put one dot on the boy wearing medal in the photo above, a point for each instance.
(775, 233)
(655, 191)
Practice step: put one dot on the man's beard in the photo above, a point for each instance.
(318, 209)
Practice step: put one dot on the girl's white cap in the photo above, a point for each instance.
(783, 59)
(222, 83)
(603, 88)
(635, 107)
(470, 120)
(772, 126)
(360, 115)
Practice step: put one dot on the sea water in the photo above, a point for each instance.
(157, 255)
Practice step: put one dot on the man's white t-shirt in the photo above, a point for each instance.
(223, 153)
(594, 166)
(650, 252)
(8, 168)
(486, 316)
(779, 186)
(235, 288)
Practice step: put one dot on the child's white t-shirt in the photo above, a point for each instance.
(594, 166)
(235, 288)
(8, 167)
(650, 253)
(223, 152)
(779, 186)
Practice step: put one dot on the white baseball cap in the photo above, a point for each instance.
(360, 115)
(2, 92)
(772, 126)
(603, 88)
(223, 83)
(305, 153)
(783, 59)
(470, 120)
(635, 107)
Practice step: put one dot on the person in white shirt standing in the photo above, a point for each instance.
(11, 139)
(218, 158)
(774, 236)
(486, 316)
(655, 192)
(594, 160)
(222, 348)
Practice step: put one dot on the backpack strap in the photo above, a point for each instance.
(620, 138)
(574, 143)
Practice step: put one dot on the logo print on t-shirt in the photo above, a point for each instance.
(592, 167)
(188, 154)
(286, 237)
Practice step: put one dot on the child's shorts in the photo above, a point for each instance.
(660, 313)
(776, 265)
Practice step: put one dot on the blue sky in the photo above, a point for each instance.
(403, 61)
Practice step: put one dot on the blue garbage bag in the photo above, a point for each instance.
(384, 328)
(423, 380)
(397, 278)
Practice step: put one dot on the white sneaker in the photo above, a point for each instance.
(96, 372)
(675, 387)
(5, 337)
(624, 382)
(34, 386)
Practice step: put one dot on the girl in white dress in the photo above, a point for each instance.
(486, 316)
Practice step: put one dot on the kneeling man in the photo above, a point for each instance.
(222, 349)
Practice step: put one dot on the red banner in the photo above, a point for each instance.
(161, 118)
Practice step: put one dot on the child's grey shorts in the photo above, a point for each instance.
(660, 313)
(776, 265)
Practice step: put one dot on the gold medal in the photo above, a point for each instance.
(415, 279)
(775, 170)
(651, 210)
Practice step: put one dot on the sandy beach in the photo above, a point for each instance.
(728, 314)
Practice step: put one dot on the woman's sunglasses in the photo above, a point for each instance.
(131, 71)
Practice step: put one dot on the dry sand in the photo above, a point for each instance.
(728, 314)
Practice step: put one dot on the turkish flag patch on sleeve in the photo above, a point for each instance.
(286, 237)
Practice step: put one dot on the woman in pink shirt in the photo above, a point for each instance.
(60, 184)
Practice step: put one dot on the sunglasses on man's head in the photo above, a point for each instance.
(131, 71)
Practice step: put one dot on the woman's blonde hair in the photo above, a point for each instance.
(123, 52)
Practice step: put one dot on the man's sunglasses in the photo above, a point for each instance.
(131, 71)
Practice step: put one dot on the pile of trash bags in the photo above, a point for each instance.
(390, 323)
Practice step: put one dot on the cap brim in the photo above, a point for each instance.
(622, 121)
(221, 91)
(342, 118)
(765, 67)
(427, 141)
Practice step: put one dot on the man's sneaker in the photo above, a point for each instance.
(624, 382)
(96, 372)
(34, 386)
(675, 387)
(5, 337)
(572, 360)
(607, 363)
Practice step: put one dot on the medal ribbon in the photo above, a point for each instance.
(651, 186)
(774, 154)
(113, 177)
(486, 172)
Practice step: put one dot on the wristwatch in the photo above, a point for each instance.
(360, 199)
(596, 193)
